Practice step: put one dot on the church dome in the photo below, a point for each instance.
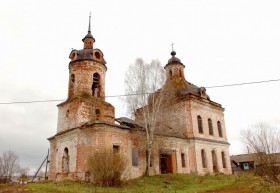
(174, 58)
(176, 87)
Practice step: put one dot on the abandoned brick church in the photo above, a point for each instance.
(197, 142)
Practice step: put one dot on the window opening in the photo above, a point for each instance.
(203, 158)
(246, 166)
(97, 55)
(66, 160)
(97, 113)
(96, 85)
(220, 129)
(170, 73)
(214, 161)
(210, 125)
(67, 113)
(72, 78)
(224, 160)
(183, 160)
(116, 149)
(71, 87)
(200, 126)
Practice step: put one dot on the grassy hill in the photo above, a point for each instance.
(173, 183)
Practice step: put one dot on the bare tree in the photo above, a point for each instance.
(264, 140)
(145, 99)
(9, 165)
(23, 174)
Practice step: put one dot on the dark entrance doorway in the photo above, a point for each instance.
(168, 162)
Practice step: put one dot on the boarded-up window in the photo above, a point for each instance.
(210, 127)
(220, 129)
(183, 160)
(134, 156)
(199, 122)
(203, 158)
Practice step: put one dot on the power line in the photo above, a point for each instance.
(125, 95)
(23, 102)
(244, 83)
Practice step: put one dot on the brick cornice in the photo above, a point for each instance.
(88, 125)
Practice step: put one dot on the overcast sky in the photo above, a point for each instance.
(220, 42)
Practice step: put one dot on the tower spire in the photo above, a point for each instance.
(90, 39)
(89, 30)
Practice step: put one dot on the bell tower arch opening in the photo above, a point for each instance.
(96, 85)
(170, 73)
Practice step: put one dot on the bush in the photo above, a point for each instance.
(106, 168)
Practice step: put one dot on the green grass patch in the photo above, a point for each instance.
(167, 183)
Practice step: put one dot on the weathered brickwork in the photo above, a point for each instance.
(83, 78)
(184, 141)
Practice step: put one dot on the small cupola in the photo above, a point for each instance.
(88, 39)
(174, 58)
(174, 68)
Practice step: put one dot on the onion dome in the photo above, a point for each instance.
(174, 58)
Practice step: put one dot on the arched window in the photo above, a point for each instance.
(224, 160)
(180, 71)
(210, 126)
(220, 129)
(203, 158)
(72, 78)
(199, 123)
(214, 161)
(170, 73)
(96, 85)
(65, 161)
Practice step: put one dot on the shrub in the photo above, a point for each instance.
(106, 168)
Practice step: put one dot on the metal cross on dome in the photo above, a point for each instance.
(172, 45)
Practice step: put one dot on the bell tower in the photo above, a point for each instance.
(86, 91)
(87, 70)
